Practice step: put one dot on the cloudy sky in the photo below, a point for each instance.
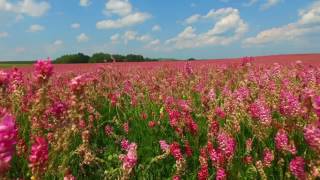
(31, 29)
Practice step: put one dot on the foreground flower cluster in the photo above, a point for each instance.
(178, 121)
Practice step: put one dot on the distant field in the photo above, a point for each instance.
(12, 65)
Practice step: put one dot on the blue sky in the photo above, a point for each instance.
(31, 29)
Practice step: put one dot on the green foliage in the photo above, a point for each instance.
(100, 58)
(72, 58)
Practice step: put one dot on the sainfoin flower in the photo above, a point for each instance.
(227, 144)
(312, 136)
(176, 151)
(297, 168)
(281, 140)
(8, 139)
(260, 111)
(289, 104)
(39, 155)
(268, 157)
(43, 70)
(221, 174)
(130, 159)
(164, 146)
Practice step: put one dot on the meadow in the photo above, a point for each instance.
(240, 119)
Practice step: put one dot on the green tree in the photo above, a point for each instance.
(100, 58)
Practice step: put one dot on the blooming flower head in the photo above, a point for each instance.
(220, 113)
(43, 70)
(312, 136)
(126, 127)
(176, 151)
(282, 142)
(289, 104)
(39, 155)
(77, 83)
(268, 157)
(221, 174)
(260, 111)
(125, 144)
(130, 159)
(164, 146)
(8, 139)
(108, 130)
(227, 144)
(296, 167)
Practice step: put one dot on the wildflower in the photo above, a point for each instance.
(282, 142)
(220, 113)
(188, 149)
(212, 95)
(8, 139)
(108, 130)
(289, 104)
(126, 127)
(296, 167)
(214, 128)
(203, 173)
(125, 144)
(227, 144)
(152, 124)
(221, 174)
(268, 157)
(39, 155)
(130, 159)
(175, 151)
(312, 136)
(43, 70)
(164, 146)
(217, 157)
(260, 111)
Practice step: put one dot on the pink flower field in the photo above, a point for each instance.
(248, 118)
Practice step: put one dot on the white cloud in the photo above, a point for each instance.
(115, 38)
(269, 4)
(27, 7)
(308, 22)
(54, 47)
(154, 44)
(156, 28)
(58, 43)
(75, 25)
(35, 28)
(228, 28)
(124, 10)
(126, 21)
(4, 34)
(192, 19)
(84, 3)
(134, 36)
(82, 38)
(119, 7)
(250, 3)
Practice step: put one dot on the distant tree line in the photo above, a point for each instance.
(101, 58)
